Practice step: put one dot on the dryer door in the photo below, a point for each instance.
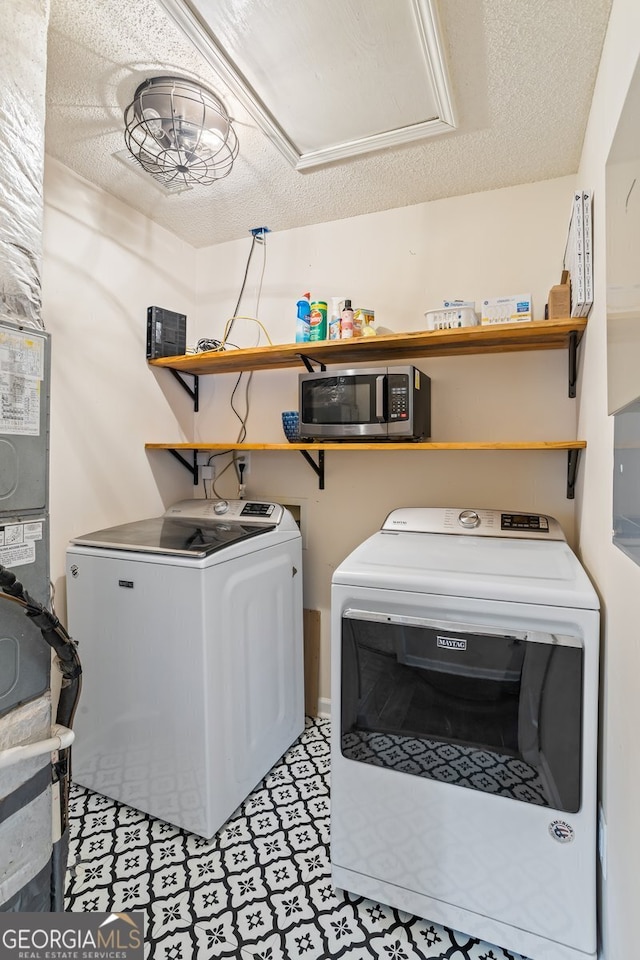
(464, 704)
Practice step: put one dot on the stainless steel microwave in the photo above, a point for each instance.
(370, 403)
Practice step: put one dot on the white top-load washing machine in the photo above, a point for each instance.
(464, 733)
(189, 628)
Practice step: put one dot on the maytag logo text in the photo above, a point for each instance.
(452, 643)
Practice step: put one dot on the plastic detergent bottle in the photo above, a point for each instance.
(302, 324)
(346, 326)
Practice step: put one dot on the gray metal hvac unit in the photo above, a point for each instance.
(30, 865)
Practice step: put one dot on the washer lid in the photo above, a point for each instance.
(184, 537)
(487, 568)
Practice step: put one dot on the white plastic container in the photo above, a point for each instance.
(335, 317)
(451, 317)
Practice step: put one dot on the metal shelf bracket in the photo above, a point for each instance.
(191, 467)
(573, 362)
(193, 393)
(573, 457)
(318, 467)
(309, 362)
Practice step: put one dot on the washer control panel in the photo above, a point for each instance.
(245, 511)
(474, 523)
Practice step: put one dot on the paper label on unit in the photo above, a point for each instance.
(11, 533)
(15, 533)
(33, 530)
(17, 555)
(451, 643)
(21, 375)
(561, 831)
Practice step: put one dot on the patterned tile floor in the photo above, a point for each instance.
(259, 890)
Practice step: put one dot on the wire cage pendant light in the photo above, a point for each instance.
(180, 131)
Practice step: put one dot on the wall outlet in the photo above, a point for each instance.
(246, 460)
(602, 841)
(208, 472)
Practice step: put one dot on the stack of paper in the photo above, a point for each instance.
(578, 258)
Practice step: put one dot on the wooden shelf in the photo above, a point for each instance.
(382, 446)
(178, 450)
(499, 338)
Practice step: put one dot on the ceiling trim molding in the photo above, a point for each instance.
(191, 25)
(426, 15)
(429, 35)
(381, 141)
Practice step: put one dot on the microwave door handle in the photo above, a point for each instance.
(380, 397)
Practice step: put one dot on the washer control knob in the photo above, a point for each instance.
(221, 507)
(468, 519)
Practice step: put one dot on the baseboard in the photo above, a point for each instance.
(324, 708)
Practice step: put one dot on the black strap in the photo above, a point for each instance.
(25, 793)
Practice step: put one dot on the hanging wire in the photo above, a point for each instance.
(254, 240)
(258, 237)
(242, 433)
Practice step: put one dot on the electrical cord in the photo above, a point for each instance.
(222, 453)
(223, 471)
(206, 344)
(256, 237)
(67, 661)
(231, 321)
(243, 417)
(242, 432)
(254, 240)
(215, 346)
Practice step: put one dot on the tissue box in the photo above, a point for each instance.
(506, 309)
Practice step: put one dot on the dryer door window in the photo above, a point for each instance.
(483, 709)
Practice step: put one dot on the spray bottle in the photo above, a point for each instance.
(302, 324)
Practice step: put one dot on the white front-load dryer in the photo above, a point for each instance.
(464, 728)
(189, 628)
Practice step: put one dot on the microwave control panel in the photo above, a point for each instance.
(398, 396)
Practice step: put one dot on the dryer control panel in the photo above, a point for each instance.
(476, 523)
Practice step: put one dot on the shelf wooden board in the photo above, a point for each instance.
(498, 338)
(363, 445)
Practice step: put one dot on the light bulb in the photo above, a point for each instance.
(153, 122)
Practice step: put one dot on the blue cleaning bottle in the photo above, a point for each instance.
(303, 322)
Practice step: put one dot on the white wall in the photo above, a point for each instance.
(103, 265)
(616, 576)
(402, 262)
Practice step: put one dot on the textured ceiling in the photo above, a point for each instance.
(522, 77)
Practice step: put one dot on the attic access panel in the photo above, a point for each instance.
(327, 79)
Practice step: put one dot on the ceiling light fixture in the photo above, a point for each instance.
(178, 130)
